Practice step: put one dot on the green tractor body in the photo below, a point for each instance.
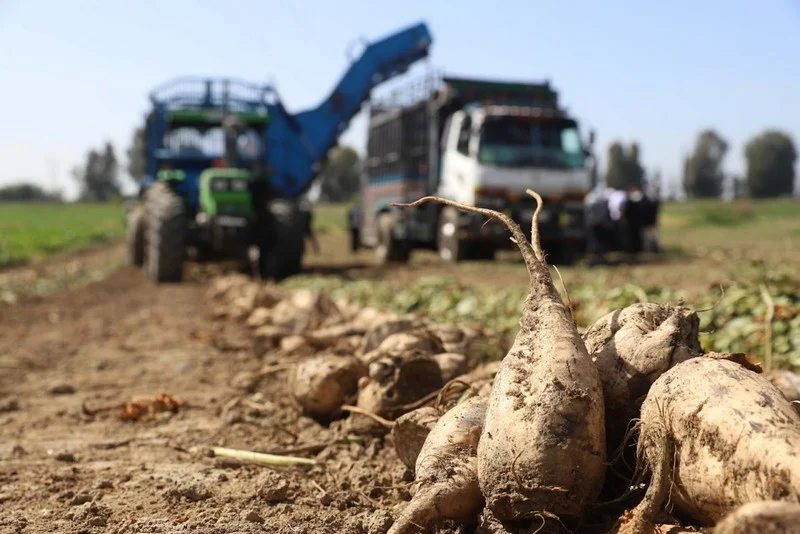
(226, 193)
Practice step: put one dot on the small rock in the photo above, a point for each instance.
(253, 517)
(272, 487)
(222, 477)
(259, 317)
(379, 522)
(98, 521)
(65, 456)
(293, 343)
(193, 493)
(326, 499)
(246, 381)
(105, 484)
(81, 498)
(61, 389)
(10, 404)
(228, 463)
(17, 451)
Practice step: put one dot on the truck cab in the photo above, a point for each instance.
(491, 154)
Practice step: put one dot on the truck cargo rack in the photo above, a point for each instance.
(415, 91)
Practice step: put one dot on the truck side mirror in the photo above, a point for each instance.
(591, 138)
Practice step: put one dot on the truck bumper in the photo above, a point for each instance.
(557, 224)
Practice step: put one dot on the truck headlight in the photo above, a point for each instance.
(219, 184)
(240, 186)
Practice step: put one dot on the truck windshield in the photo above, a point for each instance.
(515, 141)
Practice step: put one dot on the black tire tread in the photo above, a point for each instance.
(281, 256)
(166, 234)
(396, 251)
(135, 236)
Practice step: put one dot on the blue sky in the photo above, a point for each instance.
(76, 73)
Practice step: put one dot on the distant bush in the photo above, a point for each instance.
(27, 192)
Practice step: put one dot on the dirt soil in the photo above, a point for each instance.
(113, 337)
(99, 345)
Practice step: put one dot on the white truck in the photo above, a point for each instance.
(481, 143)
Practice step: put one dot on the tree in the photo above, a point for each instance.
(137, 162)
(27, 192)
(770, 164)
(99, 177)
(340, 176)
(702, 171)
(624, 170)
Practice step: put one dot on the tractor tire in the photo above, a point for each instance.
(135, 236)
(281, 254)
(390, 249)
(166, 228)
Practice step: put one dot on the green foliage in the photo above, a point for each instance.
(770, 164)
(30, 232)
(99, 177)
(702, 171)
(737, 323)
(27, 192)
(623, 167)
(734, 324)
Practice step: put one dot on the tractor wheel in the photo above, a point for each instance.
(390, 249)
(135, 236)
(451, 248)
(165, 250)
(281, 255)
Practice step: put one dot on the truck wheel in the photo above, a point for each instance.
(390, 249)
(480, 251)
(561, 254)
(451, 248)
(165, 249)
(281, 253)
(135, 236)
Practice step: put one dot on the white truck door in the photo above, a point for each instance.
(458, 161)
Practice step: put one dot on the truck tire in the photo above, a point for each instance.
(135, 236)
(561, 254)
(451, 248)
(165, 249)
(390, 249)
(281, 252)
(481, 251)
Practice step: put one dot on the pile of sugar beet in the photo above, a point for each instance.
(626, 427)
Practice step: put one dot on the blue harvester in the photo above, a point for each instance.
(228, 166)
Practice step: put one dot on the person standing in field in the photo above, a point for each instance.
(308, 220)
(650, 208)
(634, 219)
(598, 224)
(617, 200)
(354, 223)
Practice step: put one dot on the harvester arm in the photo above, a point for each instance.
(295, 145)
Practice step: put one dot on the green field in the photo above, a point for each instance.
(30, 232)
(749, 249)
